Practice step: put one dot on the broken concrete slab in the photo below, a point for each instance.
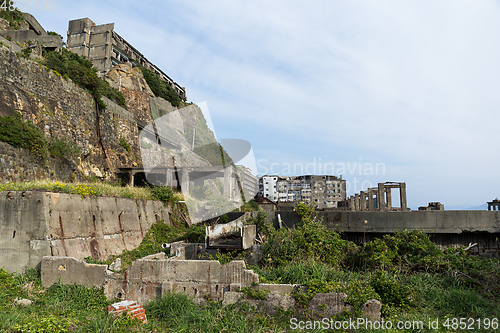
(68, 270)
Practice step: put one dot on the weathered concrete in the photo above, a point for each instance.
(450, 221)
(149, 279)
(68, 270)
(36, 224)
(452, 228)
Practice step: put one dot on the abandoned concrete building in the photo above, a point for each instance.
(30, 31)
(432, 206)
(494, 205)
(378, 199)
(102, 45)
(326, 191)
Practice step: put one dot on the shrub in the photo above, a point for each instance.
(81, 71)
(160, 87)
(309, 240)
(14, 17)
(162, 193)
(392, 292)
(358, 293)
(124, 144)
(22, 134)
(63, 148)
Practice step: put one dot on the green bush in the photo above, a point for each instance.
(162, 193)
(63, 148)
(358, 293)
(81, 71)
(407, 249)
(23, 134)
(160, 87)
(309, 240)
(14, 17)
(392, 292)
(125, 145)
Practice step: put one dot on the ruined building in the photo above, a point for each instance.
(326, 191)
(102, 45)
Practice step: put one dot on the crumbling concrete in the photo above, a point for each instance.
(154, 276)
(37, 224)
(151, 278)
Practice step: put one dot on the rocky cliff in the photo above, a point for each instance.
(108, 140)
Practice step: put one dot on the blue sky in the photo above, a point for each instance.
(412, 86)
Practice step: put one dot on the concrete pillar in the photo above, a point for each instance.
(228, 182)
(356, 202)
(351, 203)
(489, 206)
(131, 179)
(168, 176)
(402, 196)
(389, 198)
(185, 180)
(362, 201)
(381, 197)
(370, 199)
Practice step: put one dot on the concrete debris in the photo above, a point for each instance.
(371, 310)
(116, 265)
(23, 301)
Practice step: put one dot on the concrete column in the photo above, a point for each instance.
(228, 182)
(362, 201)
(131, 178)
(389, 198)
(489, 206)
(356, 202)
(351, 203)
(381, 197)
(185, 180)
(168, 178)
(402, 196)
(370, 199)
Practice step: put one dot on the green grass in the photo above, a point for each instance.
(97, 188)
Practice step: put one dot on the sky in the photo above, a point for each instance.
(374, 91)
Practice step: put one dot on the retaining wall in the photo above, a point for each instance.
(34, 224)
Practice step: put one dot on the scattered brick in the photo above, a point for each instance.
(132, 308)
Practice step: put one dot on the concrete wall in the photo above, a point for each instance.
(448, 221)
(36, 224)
(449, 228)
(148, 279)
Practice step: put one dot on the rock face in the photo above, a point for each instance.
(108, 140)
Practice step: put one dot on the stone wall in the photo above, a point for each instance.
(36, 224)
(67, 112)
(18, 165)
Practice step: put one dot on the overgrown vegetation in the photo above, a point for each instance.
(80, 70)
(23, 134)
(412, 278)
(160, 87)
(14, 17)
(96, 188)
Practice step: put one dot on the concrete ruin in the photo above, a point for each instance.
(432, 206)
(494, 205)
(31, 31)
(102, 45)
(37, 224)
(154, 276)
(378, 199)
